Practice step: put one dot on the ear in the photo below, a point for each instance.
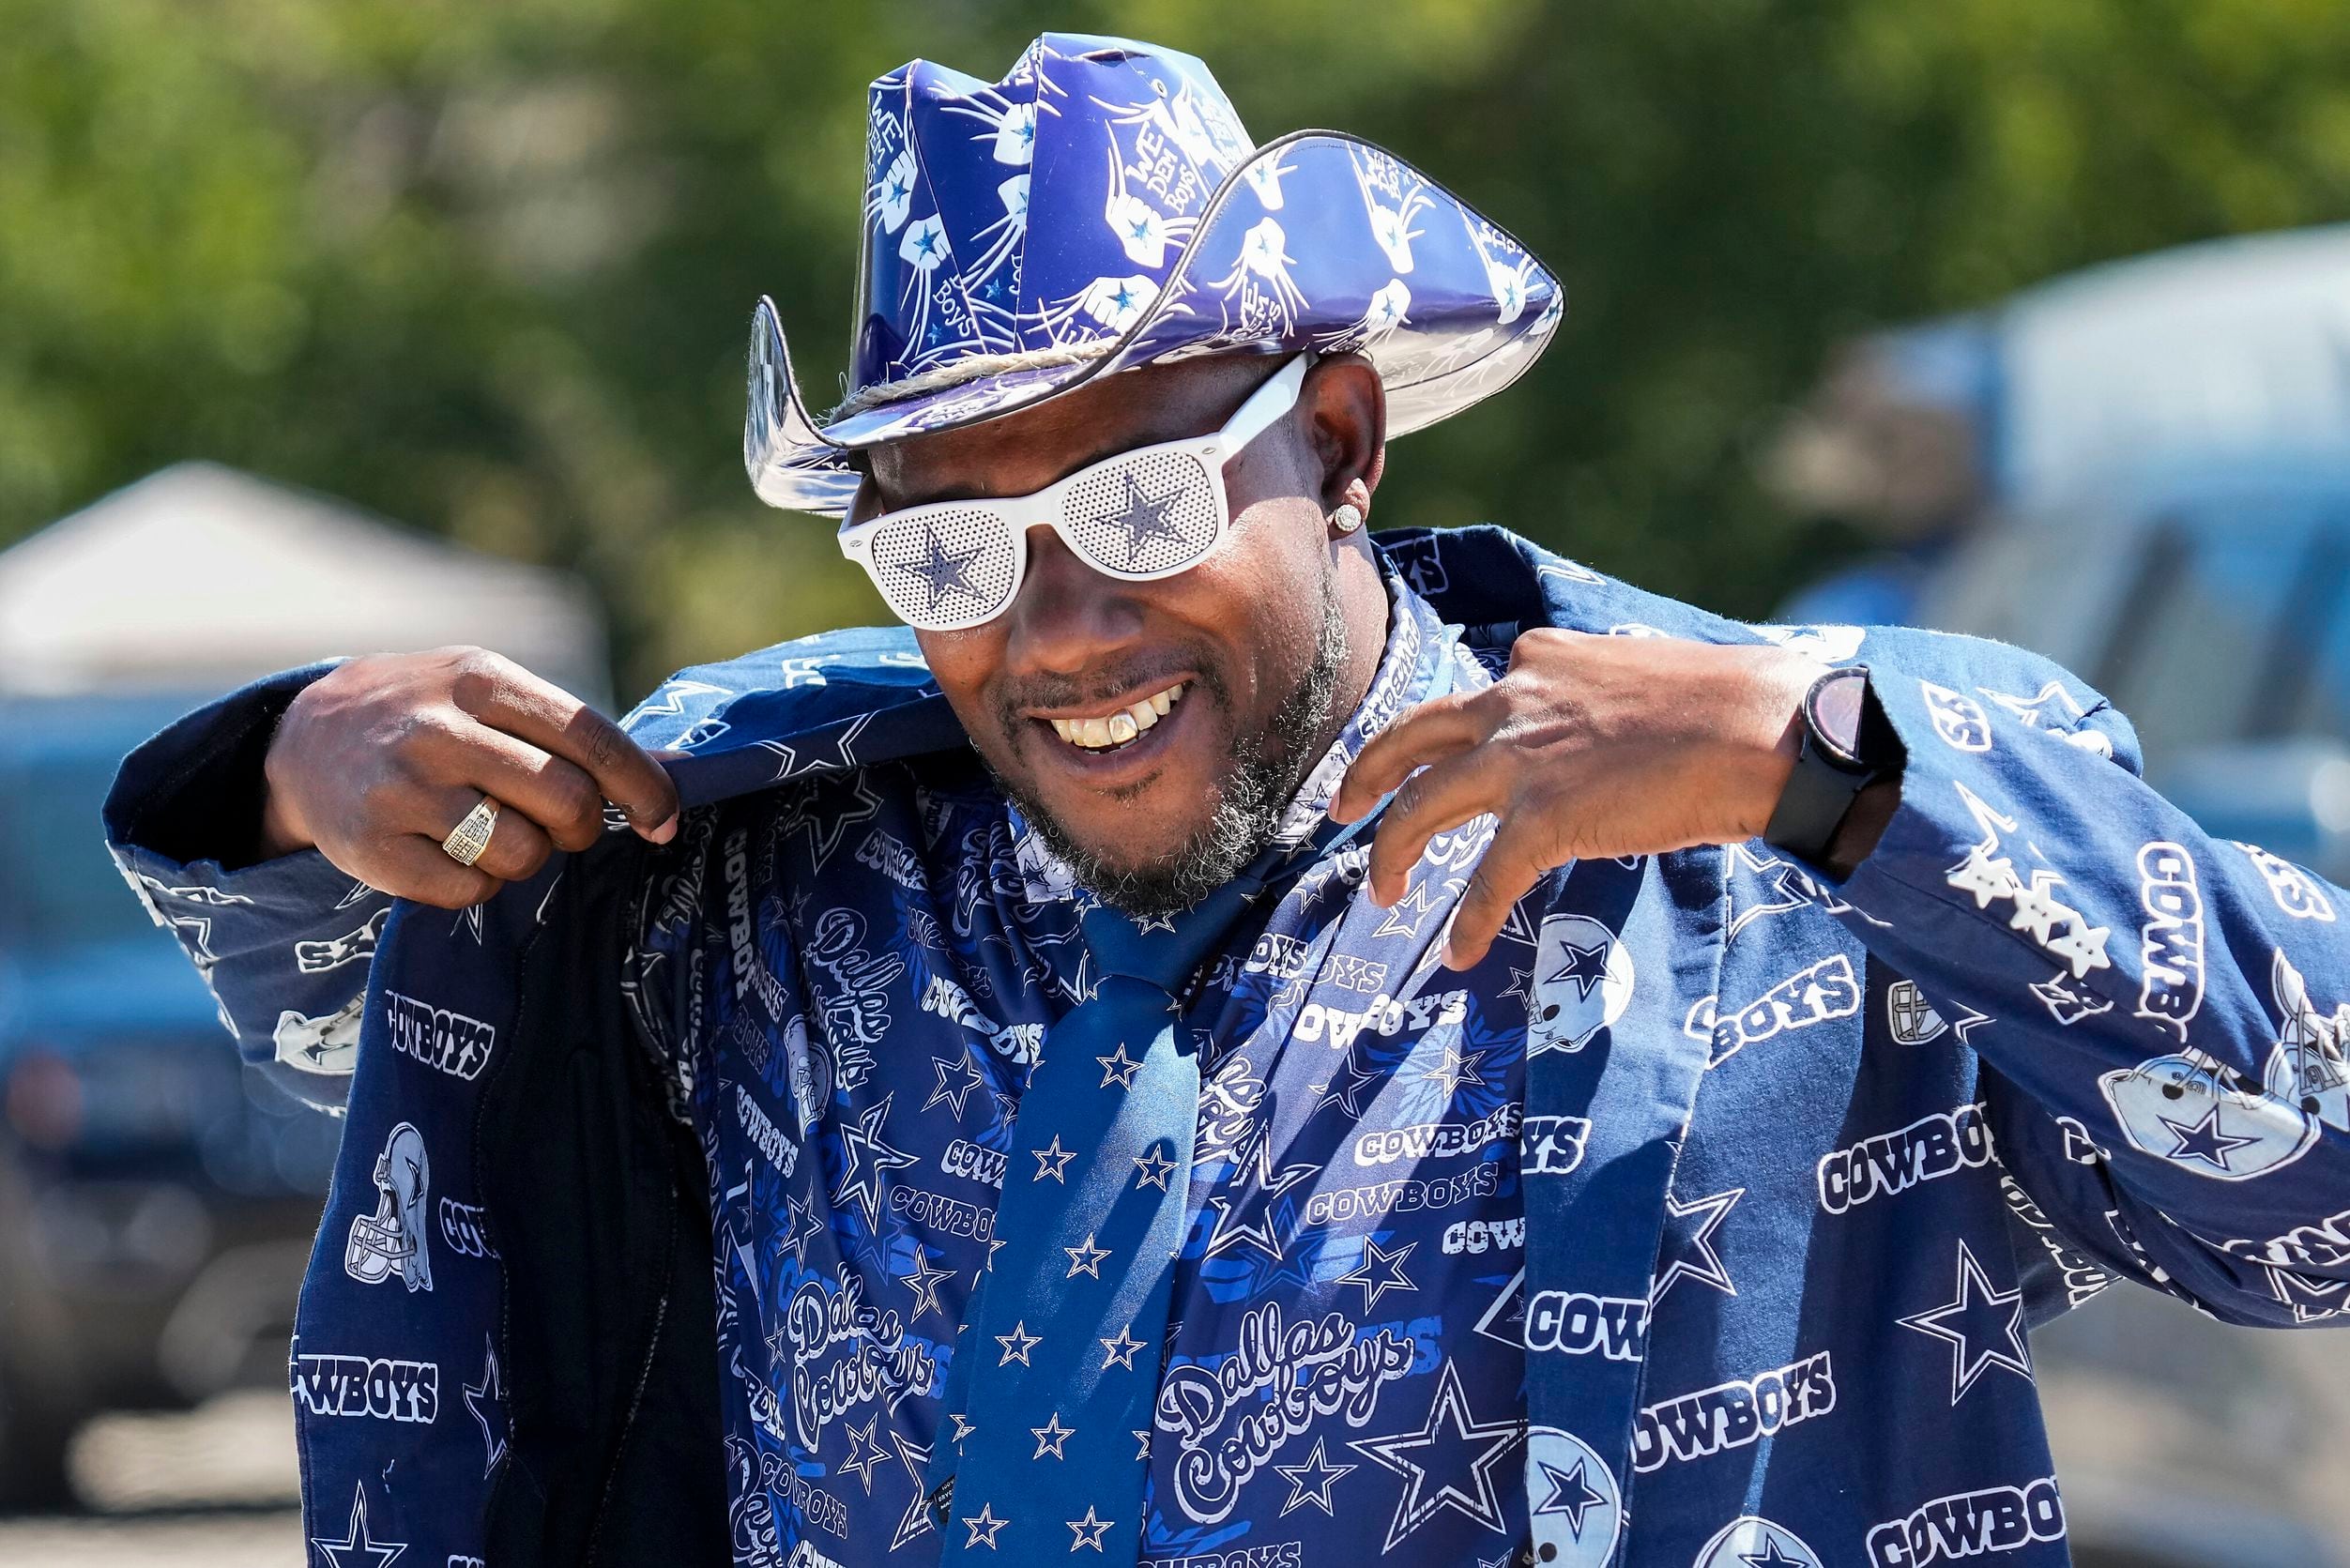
(1344, 406)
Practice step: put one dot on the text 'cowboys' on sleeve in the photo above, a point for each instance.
(2164, 1012)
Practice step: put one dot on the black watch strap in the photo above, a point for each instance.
(1845, 746)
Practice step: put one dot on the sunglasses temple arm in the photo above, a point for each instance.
(1267, 404)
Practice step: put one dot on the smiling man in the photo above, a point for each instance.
(1230, 1042)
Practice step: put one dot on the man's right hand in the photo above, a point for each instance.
(375, 762)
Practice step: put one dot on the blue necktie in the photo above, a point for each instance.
(1049, 1398)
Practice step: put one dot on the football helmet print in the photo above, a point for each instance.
(393, 1238)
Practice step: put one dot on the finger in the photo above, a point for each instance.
(517, 847)
(1434, 729)
(413, 867)
(1511, 867)
(505, 696)
(1429, 802)
(555, 794)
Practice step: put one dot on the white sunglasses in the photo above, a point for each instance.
(1144, 514)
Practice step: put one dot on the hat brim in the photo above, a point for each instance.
(1318, 240)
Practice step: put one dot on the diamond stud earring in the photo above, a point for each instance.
(1347, 518)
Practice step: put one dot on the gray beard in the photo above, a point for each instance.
(1267, 770)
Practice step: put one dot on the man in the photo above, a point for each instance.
(1231, 1044)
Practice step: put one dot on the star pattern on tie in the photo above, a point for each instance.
(1086, 1258)
(1143, 1442)
(1690, 1247)
(1017, 1344)
(1087, 1531)
(800, 1223)
(2204, 1140)
(1771, 1557)
(1311, 1481)
(1449, 1463)
(1053, 1161)
(1051, 1437)
(1120, 1350)
(1380, 1272)
(982, 1525)
(1152, 1169)
(962, 1427)
(1983, 1327)
(1120, 1069)
(863, 1452)
(1570, 1494)
(866, 1160)
(359, 1549)
(924, 1282)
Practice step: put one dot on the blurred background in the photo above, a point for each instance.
(2012, 316)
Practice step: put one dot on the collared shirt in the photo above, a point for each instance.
(908, 940)
(2048, 1033)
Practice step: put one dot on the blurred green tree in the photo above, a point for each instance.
(486, 268)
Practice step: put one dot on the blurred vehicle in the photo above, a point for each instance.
(156, 1198)
(154, 1214)
(2142, 471)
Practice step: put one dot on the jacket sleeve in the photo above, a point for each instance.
(285, 943)
(2161, 1015)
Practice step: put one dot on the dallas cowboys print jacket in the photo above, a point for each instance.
(1701, 1223)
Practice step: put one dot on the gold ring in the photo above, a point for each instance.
(468, 839)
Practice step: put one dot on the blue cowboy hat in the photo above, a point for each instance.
(1100, 208)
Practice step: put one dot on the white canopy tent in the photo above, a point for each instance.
(199, 578)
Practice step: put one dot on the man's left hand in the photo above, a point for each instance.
(1589, 747)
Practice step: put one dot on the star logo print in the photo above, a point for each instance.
(916, 1521)
(863, 1452)
(949, 1091)
(487, 1403)
(1086, 1258)
(1380, 1272)
(2203, 1141)
(947, 574)
(982, 1524)
(1408, 914)
(1051, 1437)
(867, 1160)
(924, 1282)
(1771, 1557)
(1570, 1494)
(1017, 1344)
(800, 1223)
(1311, 1481)
(1454, 1070)
(1449, 1463)
(1152, 1169)
(1983, 1327)
(358, 1549)
(1087, 1531)
(1118, 1069)
(1053, 1161)
(1144, 518)
(1690, 1246)
(1586, 968)
(1120, 1351)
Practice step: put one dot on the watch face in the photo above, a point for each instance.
(1833, 709)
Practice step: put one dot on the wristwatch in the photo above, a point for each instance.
(1848, 744)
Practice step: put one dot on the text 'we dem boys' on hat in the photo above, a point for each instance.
(1100, 207)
